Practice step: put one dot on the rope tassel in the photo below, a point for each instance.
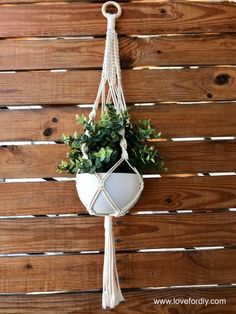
(112, 295)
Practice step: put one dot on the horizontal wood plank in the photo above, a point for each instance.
(88, 53)
(34, 235)
(167, 193)
(137, 301)
(84, 272)
(52, 1)
(40, 161)
(18, 199)
(71, 19)
(173, 120)
(73, 87)
(47, 273)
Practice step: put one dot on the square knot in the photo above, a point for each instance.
(123, 143)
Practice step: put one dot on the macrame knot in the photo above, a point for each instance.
(84, 150)
(92, 115)
(123, 143)
(124, 154)
(101, 184)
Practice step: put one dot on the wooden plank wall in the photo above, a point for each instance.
(178, 60)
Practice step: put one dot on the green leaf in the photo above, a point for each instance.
(64, 163)
(102, 140)
(81, 119)
(101, 154)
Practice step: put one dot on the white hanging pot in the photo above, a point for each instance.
(121, 187)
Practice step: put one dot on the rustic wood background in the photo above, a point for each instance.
(178, 60)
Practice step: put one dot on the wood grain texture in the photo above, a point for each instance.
(40, 161)
(34, 235)
(188, 193)
(137, 18)
(52, 1)
(83, 272)
(74, 272)
(137, 301)
(39, 198)
(167, 193)
(88, 53)
(173, 120)
(73, 87)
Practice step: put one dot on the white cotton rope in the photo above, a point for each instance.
(112, 295)
(111, 77)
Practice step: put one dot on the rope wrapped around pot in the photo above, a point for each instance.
(111, 78)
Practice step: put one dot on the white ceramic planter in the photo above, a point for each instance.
(122, 188)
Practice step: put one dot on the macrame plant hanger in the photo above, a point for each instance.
(111, 78)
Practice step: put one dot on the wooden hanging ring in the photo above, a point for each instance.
(115, 4)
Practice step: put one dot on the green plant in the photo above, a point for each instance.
(102, 139)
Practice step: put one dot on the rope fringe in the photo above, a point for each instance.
(112, 295)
